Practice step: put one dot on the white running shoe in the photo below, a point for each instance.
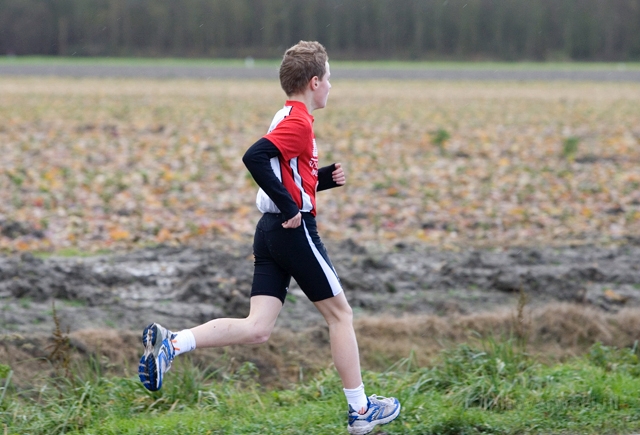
(158, 355)
(381, 410)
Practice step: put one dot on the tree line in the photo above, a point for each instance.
(350, 29)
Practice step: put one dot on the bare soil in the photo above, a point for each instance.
(407, 299)
(184, 286)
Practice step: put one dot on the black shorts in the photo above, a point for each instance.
(282, 253)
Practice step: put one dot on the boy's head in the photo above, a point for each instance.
(302, 62)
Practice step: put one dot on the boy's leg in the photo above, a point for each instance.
(268, 292)
(301, 253)
(256, 328)
(344, 346)
(365, 413)
(161, 344)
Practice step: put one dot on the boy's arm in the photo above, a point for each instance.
(257, 160)
(330, 176)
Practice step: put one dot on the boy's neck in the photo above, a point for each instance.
(305, 98)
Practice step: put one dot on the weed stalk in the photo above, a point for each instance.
(6, 386)
(60, 354)
(520, 322)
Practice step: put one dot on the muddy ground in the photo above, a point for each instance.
(183, 286)
(407, 300)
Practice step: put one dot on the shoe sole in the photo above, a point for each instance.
(363, 430)
(147, 370)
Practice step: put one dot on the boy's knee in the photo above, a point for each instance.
(342, 315)
(347, 312)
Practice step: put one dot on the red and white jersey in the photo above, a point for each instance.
(291, 131)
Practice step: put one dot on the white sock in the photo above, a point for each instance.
(356, 397)
(184, 341)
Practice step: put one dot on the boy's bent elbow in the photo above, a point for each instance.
(260, 336)
(246, 159)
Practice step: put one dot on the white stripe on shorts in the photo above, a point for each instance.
(329, 271)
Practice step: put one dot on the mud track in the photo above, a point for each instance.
(183, 286)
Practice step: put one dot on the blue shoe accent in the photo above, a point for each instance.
(380, 410)
(157, 357)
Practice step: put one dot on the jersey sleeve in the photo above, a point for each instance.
(325, 178)
(256, 159)
(291, 136)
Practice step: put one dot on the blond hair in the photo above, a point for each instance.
(300, 64)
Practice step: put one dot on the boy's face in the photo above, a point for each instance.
(321, 91)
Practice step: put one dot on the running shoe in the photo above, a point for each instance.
(381, 410)
(158, 355)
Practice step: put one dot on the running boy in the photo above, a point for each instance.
(284, 163)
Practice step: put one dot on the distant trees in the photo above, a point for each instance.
(359, 29)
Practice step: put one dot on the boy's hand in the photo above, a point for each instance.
(338, 175)
(294, 222)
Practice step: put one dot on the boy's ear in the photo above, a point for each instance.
(313, 83)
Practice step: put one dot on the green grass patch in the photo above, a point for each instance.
(71, 252)
(382, 64)
(490, 388)
(129, 61)
(466, 65)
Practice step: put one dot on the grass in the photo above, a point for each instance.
(487, 65)
(490, 387)
(380, 64)
(570, 147)
(129, 61)
(71, 252)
